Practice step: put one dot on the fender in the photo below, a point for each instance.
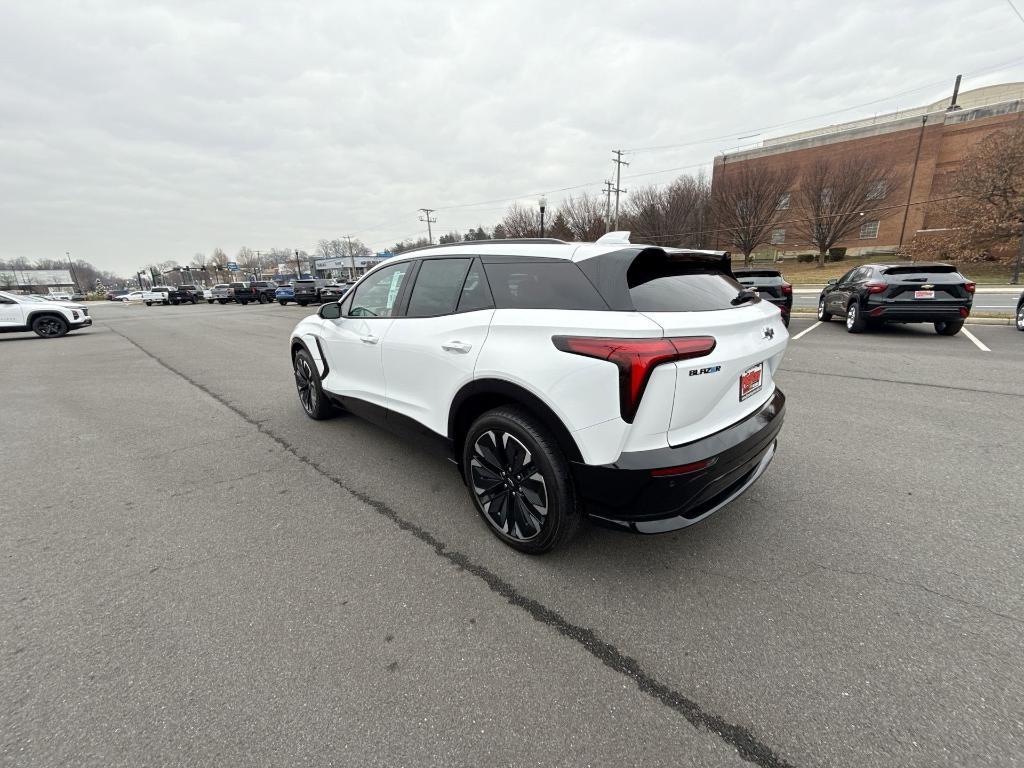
(311, 344)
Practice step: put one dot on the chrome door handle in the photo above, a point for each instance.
(457, 346)
(369, 339)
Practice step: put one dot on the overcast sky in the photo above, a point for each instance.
(135, 132)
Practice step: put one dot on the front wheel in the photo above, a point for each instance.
(823, 315)
(195, 300)
(209, 301)
(244, 303)
(519, 480)
(222, 301)
(303, 303)
(855, 322)
(263, 299)
(282, 302)
(307, 382)
(1020, 318)
(50, 327)
(149, 303)
(949, 328)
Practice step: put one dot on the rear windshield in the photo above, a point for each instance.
(760, 278)
(931, 269)
(657, 284)
(541, 285)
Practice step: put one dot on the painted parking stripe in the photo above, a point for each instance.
(975, 339)
(805, 332)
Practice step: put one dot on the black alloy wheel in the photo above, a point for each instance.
(519, 480)
(1020, 318)
(263, 298)
(949, 328)
(307, 382)
(50, 326)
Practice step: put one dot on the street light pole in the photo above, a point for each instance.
(74, 275)
(543, 203)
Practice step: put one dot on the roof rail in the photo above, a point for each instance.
(520, 240)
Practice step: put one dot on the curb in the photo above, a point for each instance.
(970, 320)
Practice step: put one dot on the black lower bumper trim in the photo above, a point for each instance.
(626, 494)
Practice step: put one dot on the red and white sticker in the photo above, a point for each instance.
(924, 294)
(750, 381)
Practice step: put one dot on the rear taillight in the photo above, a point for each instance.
(684, 469)
(635, 359)
(787, 289)
(969, 287)
(876, 287)
(964, 311)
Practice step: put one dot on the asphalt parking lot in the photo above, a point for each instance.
(196, 573)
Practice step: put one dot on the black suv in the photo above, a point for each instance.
(770, 286)
(185, 294)
(872, 294)
(1020, 313)
(306, 292)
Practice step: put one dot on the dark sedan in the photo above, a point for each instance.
(1020, 313)
(872, 294)
(770, 286)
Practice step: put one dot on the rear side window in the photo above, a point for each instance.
(542, 285)
(657, 284)
(437, 288)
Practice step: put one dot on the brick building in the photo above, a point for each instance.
(924, 146)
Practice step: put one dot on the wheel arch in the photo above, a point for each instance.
(33, 315)
(481, 395)
(315, 351)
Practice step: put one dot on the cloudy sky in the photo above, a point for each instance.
(134, 132)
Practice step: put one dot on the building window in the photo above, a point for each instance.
(878, 190)
(778, 236)
(869, 230)
(783, 202)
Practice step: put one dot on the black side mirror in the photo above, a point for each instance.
(833, 281)
(330, 311)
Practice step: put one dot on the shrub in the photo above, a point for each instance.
(805, 258)
(836, 254)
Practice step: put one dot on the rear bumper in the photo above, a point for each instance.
(626, 494)
(917, 313)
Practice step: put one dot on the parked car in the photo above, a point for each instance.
(770, 286)
(242, 293)
(78, 296)
(132, 296)
(872, 294)
(333, 292)
(59, 295)
(305, 292)
(221, 293)
(1020, 313)
(185, 294)
(158, 294)
(116, 295)
(265, 291)
(284, 294)
(47, 319)
(630, 383)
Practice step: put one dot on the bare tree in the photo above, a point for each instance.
(582, 217)
(834, 195)
(988, 210)
(520, 221)
(670, 216)
(199, 260)
(248, 260)
(746, 202)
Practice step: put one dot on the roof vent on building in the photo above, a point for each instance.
(614, 238)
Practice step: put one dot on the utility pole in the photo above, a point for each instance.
(259, 265)
(619, 162)
(426, 217)
(74, 275)
(352, 258)
(607, 206)
(298, 266)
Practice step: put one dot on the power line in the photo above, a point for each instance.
(426, 217)
(1010, 3)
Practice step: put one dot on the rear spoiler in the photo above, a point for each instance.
(608, 271)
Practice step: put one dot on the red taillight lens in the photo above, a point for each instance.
(636, 359)
(964, 311)
(683, 469)
(969, 287)
(787, 289)
(876, 287)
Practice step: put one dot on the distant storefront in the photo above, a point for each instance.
(36, 280)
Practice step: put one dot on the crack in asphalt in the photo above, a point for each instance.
(747, 745)
(901, 381)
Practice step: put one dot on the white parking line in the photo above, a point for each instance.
(975, 339)
(805, 332)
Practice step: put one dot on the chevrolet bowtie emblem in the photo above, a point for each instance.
(927, 287)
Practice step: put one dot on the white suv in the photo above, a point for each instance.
(628, 383)
(48, 319)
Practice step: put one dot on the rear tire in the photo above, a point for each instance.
(282, 303)
(311, 393)
(50, 327)
(949, 328)
(263, 299)
(303, 303)
(222, 301)
(519, 481)
(195, 300)
(823, 315)
(1020, 318)
(209, 301)
(855, 322)
(149, 303)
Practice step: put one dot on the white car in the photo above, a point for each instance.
(47, 319)
(631, 384)
(132, 296)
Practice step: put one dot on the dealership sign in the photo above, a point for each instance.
(29, 277)
(332, 263)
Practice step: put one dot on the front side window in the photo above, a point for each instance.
(377, 295)
(549, 284)
(437, 288)
(869, 230)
